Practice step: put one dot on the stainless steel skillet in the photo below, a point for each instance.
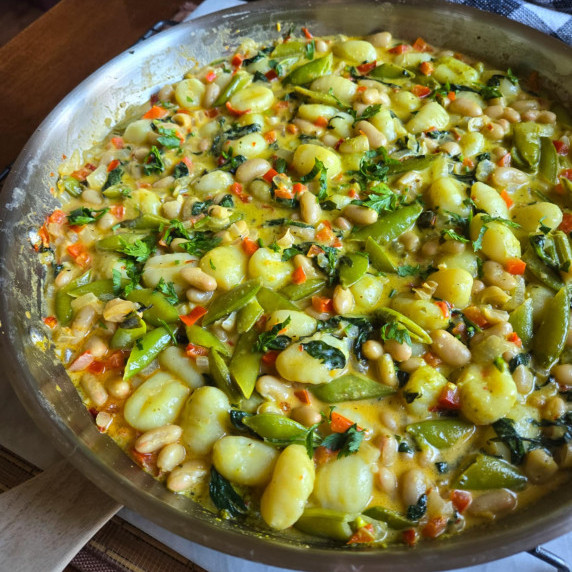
(83, 117)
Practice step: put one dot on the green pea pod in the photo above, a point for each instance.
(350, 387)
(201, 337)
(248, 316)
(440, 433)
(272, 301)
(417, 333)
(245, 363)
(297, 292)
(326, 523)
(116, 191)
(63, 300)
(238, 82)
(389, 226)
(145, 221)
(71, 185)
(159, 309)
(311, 71)
(117, 241)
(379, 257)
(563, 249)
(412, 164)
(290, 48)
(527, 142)
(485, 472)
(353, 267)
(124, 338)
(553, 331)
(221, 376)
(148, 348)
(548, 165)
(231, 301)
(567, 186)
(277, 429)
(103, 289)
(393, 519)
(390, 71)
(522, 323)
(538, 269)
(216, 224)
(317, 96)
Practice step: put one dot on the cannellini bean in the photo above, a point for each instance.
(343, 300)
(309, 207)
(504, 177)
(563, 374)
(412, 364)
(388, 450)
(252, 169)
(119, 387)
(83, 321)
(465, 106)
(381, 39)
(554, 408)
(187, 476)
(198, 296)
(360, 215)
(493, 503)
(372, 350)
(198, 279)
(451, 148)
(307, 415)
(386, 481)
(523, 379)
(546, 117)
(94, 389)
(451, 350)
(539, 466)
(495, 111)
(271, 388)
(413, 484)
(96, 346)
(170, 456)
(398, 352)
(155, 439)
(283, 500)
(212, 91)
(343, 223)
(386, 371)
(375, 137)
(495, 275)
(103, 420)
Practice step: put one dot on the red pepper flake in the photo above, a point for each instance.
(409, 536)
(449, 399)
(210, 77)
(421, 91)
(299, 188)
(366, 68)
(193, 316)
(113, 165)
(399, 49)
(307, 33)
(514, 338)
(96, 367)
(561, 147)
(79, 253)
(321, 122)
(451, 96)
(193, 351)
(82, 173)
(269, 175)
(81, 362)
(272, 75)
(322, 304)
(304, 396)
(50, 321)
(363, 535)
(211, 113)
(461, 499)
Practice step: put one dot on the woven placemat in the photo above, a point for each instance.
(117, 547)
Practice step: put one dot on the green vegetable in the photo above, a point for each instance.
(200, 242)
(71, 185)
(113, 178)
(224, 496)
(117, 241)
(83, 215)
(326, 523)
(277, 429)
(350, 387)
(130, 330)
(507, 434)
(394, 519)
(272, 301)
(238, 82)
(412, 164)
(379, 257)
(273, 340)
(297, 292)
(417, 511)
(202, 337)
(146, 350)
(248, 316)
(485, 472)
(63, 299)
(352, 268)
(548, 166)
(331, 357)
(382, 199)
(290, 48)
(538, 269)
(158, 308)
(526, 139)
(521, 321)
(389, 226)
(221, 376)
(168, 290)
(231, 301)
(553, 331)
(145, 221)
(153, 163)
(440, 433)
(103, 289)
(317, 96)
(346, 443)
(416, 332)
(311, 71)
(390, 71)
(245, 363)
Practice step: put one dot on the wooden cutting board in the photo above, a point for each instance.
(49, 58)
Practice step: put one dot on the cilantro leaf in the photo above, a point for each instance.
(331, 357)
(140, 250)
(176, 229)
(83, 215)
(407, 270)
(395, 331)
(224, 496)
(318, 168)
(310, 50)
(201, 207)
(273, 340)
(153, 163)
(449, 233)
(168, 137)
(200, 243)
(370, 111)
(347, 443)
(168, 290)
(382, 199)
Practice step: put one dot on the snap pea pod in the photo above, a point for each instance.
(352, 267)
(389, 226)
(553, 331)
(522, 323)
(485, 472)
(221, 376)
(103, 289)
(563, 250)
(245, 363)
(277, 429)
(248, 316)
(417, 333)
(159, 309)
(124, 337)
(390, 71)
(63, 300)
(118, 241)
(393, 518)
(116, 191)
(326, 523)
(239, 81)
(350, 387)
(201, 337)
(317, 96)
(379, 257)
(527, 142)
(145, 221)
(300, 291)
(412, 164)
(215, 224)
(537, 268)
(272, 301)
(567, 187)
(148, 348)
(548, 165)
(71, 185)
(440, 433)
(288, 49)
(231, 301)
(311, 71)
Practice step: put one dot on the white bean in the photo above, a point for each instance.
(170, 456)
(309, 207)
(449, 348)
(94, 389)
(252, 169)
(413, 485)
(187, 476)
(155, 439)
(199, 279)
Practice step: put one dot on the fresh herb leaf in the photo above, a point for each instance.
(448, 233)
(113, 178)
(507, 434)
(310, 50)
(181, 170)
(347, 443)
(410, 396)
(224, 496)
(167, 137)
(83, 215)
(259, 76)
(273, 340)
(418, 510)
(405, 447)
(238, 131)
(236, 418)
(117, 282)
(407, 270)
(227, 201)
(331, 357)
(395, 331)
(258, 56)
(200, 243)
(370, 111)
(133, 272)
(153, 163)
(363, 325)
(201, 207)
(382, 199)
(140, 250)
(168, 290)
(318, 168)
(232, 163)
(518, 359)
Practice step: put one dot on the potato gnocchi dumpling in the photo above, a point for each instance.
(323, 284)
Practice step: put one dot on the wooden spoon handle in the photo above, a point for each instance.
(45, 521)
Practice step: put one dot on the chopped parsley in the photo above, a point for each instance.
(168, 290)
(153, 163)
(346, 443)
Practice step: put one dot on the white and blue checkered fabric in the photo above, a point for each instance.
(553, 17)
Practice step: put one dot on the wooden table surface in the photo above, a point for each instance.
(56, 52)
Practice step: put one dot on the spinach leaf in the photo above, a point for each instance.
(83, 215)
(273, 340)
(224, 496)
(507, 434)
(113, 178)
(347, 443)
(331, 357)
(153, 163)
(318, 168)
(201, 207)
(181, 170)
(418, 510)
(238, 131)
(518, 359)
(167, 137)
